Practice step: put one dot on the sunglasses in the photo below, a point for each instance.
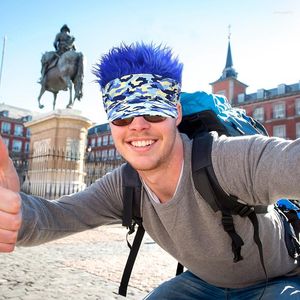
(148, 118)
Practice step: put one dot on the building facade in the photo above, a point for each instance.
(277, 108)
(15, 135)
(101, 154)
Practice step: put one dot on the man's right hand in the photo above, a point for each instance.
(10, 219)
(10, 202)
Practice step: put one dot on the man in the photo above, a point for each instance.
(141, 86)
(64, 41)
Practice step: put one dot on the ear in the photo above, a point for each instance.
(179, 110)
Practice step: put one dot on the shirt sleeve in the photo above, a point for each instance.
(257, 169)
(45, 220)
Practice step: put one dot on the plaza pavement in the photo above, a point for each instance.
(87, 265)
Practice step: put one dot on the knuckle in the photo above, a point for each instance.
(8, 237)
(7, 248)
(16, 204)
(16, 222)
(13, 237)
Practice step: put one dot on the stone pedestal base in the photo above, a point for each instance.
(57, 146)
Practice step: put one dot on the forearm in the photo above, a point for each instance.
(44, 220)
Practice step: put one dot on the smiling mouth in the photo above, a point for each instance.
(140, 144)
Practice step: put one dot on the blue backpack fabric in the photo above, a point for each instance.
(203, 112)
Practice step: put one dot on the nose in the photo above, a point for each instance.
(139, 123)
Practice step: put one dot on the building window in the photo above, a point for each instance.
(281, 89)
(17, 146)
(279, 111)
(5, 127)
(105, 140)
(93, 142)
(27, 147)
(261, 93)
(18, 130)
(279, 131)
(258, 114)
(4, 113)
(6, 141)
(91, 156)
(26, 118)
(297, 107)
(98, 155)
(241, 98)
(111, 140)
(28, 132)
(104, 154)
(297, 130)
(99, 141)
(111, 154)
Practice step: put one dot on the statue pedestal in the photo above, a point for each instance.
(57, 145)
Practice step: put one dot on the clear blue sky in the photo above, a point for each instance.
(265, 41)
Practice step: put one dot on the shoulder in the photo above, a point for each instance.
(57, 36)
(244, 141)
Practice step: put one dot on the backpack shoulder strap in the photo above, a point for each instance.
(201, 162)
(131, 260)
(131, 185)
(208, 187)
(206, 182)
(131, 216)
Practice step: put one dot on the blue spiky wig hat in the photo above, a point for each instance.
(137, 78)
(138, 58)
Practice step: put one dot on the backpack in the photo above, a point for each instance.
(203, 113)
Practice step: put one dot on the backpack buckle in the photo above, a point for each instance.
(246, 210)
(227, 222)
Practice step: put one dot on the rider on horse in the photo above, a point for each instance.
(63, 42)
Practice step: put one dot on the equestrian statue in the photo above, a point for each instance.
(62, 69)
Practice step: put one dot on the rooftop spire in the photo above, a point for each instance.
(229, 70)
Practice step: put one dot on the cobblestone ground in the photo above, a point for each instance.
(87, 265)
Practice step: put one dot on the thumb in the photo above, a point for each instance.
(4, 157)
(8, 175)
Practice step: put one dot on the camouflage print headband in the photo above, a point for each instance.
(141, 94)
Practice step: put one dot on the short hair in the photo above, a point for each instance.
(138, 58)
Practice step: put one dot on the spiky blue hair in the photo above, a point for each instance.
(137, 58)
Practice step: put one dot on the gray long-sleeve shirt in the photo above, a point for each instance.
(256, 169)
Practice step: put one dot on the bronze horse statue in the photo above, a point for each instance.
(62, 74)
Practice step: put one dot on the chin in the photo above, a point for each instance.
(142, 166)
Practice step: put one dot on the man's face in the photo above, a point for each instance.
(145, 145)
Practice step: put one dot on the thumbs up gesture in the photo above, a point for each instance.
(10, 202)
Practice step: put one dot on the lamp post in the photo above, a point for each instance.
(2, 59)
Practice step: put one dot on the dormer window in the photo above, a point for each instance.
(260, 94)
(281, 89)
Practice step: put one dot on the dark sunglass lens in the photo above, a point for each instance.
(154, 119)
(122, 122)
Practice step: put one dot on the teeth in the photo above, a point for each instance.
(142, 143)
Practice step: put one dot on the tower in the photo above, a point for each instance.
(228, 84)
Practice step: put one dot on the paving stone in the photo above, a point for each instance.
(87, 265)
